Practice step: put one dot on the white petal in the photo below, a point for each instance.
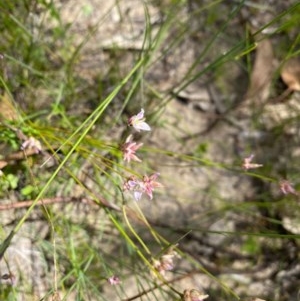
(140, 115)
(142, 126)
(137, 195)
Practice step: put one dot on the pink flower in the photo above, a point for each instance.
(248, 165)
(138, 122)
(32, 143)
(129, 148)
(131, 183)
(163, 264)
(135, 185)
(286, 187)
(166, 261)
(114, 280)
(139, 187)
(149, 184)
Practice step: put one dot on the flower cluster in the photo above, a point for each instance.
(146, 185)
(285, 186)
(129, 148)
(140, 187)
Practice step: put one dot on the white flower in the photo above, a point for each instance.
(138, 122)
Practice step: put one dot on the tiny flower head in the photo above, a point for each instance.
(114, 280)
(248, 165)
(163, 264)
(149, 183)
(135, 185)
(287, 188)
(158, 267)
(138, 122)
(131, 184)
(194, 295)
(32, 143)
(129, 148)
(139, 187)
(166, 261)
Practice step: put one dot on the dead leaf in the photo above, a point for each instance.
(291, 224)
(262, 72)
(260, 79)
(290, 74)
(2, 164)
(7, 108)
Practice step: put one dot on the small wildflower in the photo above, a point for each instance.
(149, 184)
(32, 143)
(139, 187)
(286, 187)
(161, 267)
(130, 184)
(165, 262)
(138, 122)
(135, 185)
(248, 165)
(114, 280)
(129, 148)
(194, 295)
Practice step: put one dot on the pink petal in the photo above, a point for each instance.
(140, 115)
